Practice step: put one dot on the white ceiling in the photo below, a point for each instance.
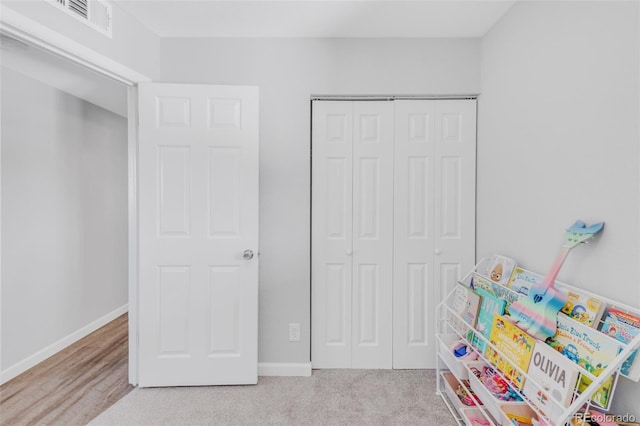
(312, 18)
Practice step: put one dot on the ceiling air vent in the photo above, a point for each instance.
(95, 13)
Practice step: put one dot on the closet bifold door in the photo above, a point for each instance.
(331, 233)
(372, 234)
(352, 234)
(413, 288)
(434, 217)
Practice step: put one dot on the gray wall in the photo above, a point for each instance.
(288, 71)
(64, 215)
(558, 141)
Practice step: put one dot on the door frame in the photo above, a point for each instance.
(35, 34)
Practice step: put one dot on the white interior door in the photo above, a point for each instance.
(198, 214)
(434, 229)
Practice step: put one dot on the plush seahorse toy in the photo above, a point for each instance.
(537, 313)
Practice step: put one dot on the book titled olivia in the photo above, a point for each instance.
(553, 380)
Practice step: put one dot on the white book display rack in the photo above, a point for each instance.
(471, 403)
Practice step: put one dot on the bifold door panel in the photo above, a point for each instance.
(393, 224)
(353, 225)
(434, 217)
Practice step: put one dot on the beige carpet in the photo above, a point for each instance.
(328, 397)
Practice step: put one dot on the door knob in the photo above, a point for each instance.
(349, 252)
(438, 252)
(247, 254)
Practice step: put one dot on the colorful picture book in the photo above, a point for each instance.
(586, 347)
(556, 379)
(586, 309)
(513, 343)
(497, 290)
(602, 395)
(522, 280)
(623, 327)
(490, 305)
(466, 304)
(500, 268)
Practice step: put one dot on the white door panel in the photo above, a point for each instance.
(413, 296)
(198, 212)
(455, 188)
(332, 241)
(434, 230)
(373, 234)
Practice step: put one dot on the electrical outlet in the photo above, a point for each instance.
(294, 332)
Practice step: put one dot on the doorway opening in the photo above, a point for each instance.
(64, 203)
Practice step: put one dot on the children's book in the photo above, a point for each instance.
(497, 290)
(513, 343)
(522, 280)
(623, 327)
(583, 345)
(602, 395)
(556, 379)
(466, 304)
(586, 347)
(489, 306)
(499, 269)
(586, 309)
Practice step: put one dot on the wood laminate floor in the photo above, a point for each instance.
(74, 385)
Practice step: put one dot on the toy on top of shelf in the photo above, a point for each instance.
(537, 313)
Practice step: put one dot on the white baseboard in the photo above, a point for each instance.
(284, 369)
(22, 366)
